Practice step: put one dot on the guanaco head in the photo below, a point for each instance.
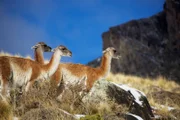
(111, 52)
(64, 51)
(43, 46)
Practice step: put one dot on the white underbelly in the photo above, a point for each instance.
(20, 77)
(71, 80)
(44, 76)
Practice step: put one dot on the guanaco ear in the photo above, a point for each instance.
(53, 50)
(106, 50)
(35, 46)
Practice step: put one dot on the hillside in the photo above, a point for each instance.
(162, 94)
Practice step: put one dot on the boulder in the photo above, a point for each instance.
(106, 91)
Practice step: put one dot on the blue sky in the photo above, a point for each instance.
(77, 24)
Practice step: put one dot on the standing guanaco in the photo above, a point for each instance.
(69, 73)
(21, 71)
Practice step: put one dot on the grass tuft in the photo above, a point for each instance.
(5, 110)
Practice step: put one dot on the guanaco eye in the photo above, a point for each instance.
(63, 48)
(115, 51)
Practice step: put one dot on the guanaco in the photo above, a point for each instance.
(23, 72)
(69, 73)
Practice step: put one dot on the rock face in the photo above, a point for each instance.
(106, 91)
(172, 9)
(149, 46)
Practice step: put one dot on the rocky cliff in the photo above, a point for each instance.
(149, 46)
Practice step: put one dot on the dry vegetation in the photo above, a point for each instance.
(41, 103)
(41, 100)
(161, 92)
(5, 110)
(145, 84)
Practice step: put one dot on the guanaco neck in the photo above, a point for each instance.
(105, 65)
(38, 55)
(52, 66)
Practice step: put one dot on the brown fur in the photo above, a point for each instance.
(12, 67)
(6, 71)
(40, 48)
(80, 70)
(39, 52)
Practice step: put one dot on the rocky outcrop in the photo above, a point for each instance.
(149, 46)
(135, 100)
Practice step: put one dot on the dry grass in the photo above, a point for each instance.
(42, 98)
(42, 95)
(72, 103)
(148, 86)
(144, 84)
(5, 110)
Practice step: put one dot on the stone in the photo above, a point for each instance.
(106, 91)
